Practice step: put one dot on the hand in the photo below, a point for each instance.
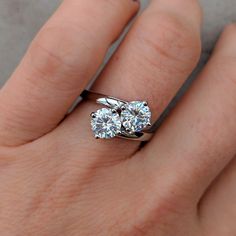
(58, 180)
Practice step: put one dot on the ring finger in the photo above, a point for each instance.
(155, 58)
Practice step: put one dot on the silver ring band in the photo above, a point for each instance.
(128, 120)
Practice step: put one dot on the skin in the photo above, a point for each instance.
(56, 179)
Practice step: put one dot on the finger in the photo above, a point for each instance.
(215, 204)
(198, 140)
(217, 208)
(61, 60)
(156, 57)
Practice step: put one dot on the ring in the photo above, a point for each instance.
(128, 120)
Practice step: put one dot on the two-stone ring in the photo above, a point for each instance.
(129, 120)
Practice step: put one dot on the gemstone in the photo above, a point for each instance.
(106, 123)
(135, 116)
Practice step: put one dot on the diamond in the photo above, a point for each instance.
(106, 123)
(135, 116)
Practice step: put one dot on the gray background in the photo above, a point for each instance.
(21, 19)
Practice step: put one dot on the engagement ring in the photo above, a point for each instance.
(129, 120)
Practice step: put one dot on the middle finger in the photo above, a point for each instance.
(156, 57)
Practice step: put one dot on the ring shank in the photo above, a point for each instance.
(91, 95)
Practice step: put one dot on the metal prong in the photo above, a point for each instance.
(96, 137)
(114, 111)
(119, 133)
(128, 130)
(123, 108)
(93, 115)
(145, 103)
(149, 124)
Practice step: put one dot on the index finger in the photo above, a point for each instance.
(58, 65)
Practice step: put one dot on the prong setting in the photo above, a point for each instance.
(119, 133)
(145, 104)
(123, 108)
(93, 115)
(136, 116)
(128, 119)
(106, 123)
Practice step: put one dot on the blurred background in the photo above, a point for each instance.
(21, 19)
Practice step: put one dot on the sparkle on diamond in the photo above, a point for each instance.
(136, 116)
(106, 123)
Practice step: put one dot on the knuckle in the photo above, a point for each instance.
(56, 50)
(171, 39)
(54, 60)
(160, 218)
(170, 203)
(160, 210)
